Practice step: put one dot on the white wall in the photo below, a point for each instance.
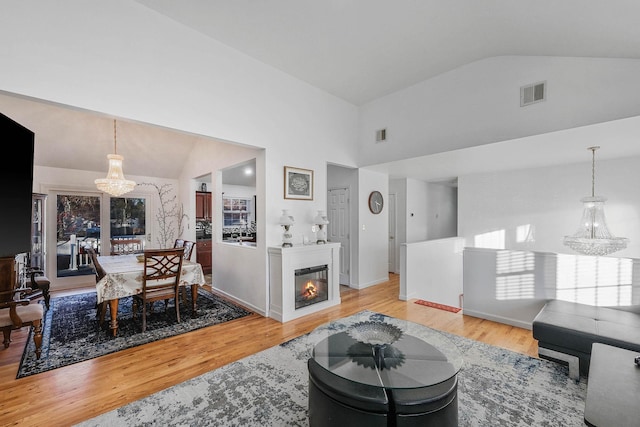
(442, 211)
(512, 286)
(548, 201)
(479, 103)
(416, 214)
(373, 254)
(432, 271)
(151, 69)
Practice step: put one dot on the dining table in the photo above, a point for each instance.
(123, 279)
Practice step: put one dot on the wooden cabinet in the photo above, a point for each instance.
(203, 255)
(203, 205)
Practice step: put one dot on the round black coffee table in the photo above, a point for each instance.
(409, 382)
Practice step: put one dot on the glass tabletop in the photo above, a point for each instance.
(415, 357)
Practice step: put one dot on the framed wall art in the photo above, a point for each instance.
(298, 183)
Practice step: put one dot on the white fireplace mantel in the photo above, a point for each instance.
(283, 262)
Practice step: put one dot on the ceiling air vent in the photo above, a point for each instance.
(381, 135)
(531, 94)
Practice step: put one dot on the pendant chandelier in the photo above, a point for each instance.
(115, 182)
(593, 237)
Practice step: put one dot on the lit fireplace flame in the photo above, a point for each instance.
(310, 291)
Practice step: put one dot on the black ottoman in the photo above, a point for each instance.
(334, 401)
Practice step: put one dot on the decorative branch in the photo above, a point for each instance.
(170, 216)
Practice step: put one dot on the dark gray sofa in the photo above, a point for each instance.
(566, 330)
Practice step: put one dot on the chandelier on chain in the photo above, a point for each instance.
(593, 236)
(115, 182)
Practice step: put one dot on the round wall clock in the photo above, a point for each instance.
(375, 202)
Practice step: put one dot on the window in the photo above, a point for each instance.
(127, 217)
(236, 211)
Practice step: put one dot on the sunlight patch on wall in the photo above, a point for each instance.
(514, 275)
(490, 240)
(600, 281)
(525, 233)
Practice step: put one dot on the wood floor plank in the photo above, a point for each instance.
(68, 395)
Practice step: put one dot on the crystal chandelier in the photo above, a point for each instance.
(593, 237)
(115, 182)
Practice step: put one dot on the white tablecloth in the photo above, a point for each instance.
(124, 276)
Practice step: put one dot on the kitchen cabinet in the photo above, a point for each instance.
(203, 205)
(203, 255)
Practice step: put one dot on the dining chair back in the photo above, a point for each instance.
(179, 243)
(100, 273)
(160, 280)
(126, 246)
(188, 249)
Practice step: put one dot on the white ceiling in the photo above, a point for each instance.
(360, 50)
(357, 50)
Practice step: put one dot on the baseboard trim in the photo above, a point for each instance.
(499, 319)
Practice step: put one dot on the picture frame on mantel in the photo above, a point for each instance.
(298, 183)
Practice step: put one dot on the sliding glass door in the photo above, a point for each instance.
(78, 226)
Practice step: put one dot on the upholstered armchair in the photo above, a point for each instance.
(15, 314)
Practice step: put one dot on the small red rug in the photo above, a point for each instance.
(439, 306)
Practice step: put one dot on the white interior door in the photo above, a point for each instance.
(393, 249)
(338, 228)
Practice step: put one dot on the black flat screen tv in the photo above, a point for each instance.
(15, 193)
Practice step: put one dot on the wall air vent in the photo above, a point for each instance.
(533, 93)
(381, 135)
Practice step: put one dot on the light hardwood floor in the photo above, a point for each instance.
(68, 395)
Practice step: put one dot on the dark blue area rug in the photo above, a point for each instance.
(71, 333)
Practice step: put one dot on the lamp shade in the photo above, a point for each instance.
(285, 218)
(321, 218)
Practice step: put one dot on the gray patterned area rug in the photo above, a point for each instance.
(71, 333)
(497, 387)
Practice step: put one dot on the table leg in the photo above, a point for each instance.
(194, 296)
(113, 306)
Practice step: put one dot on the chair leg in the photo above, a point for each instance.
(177, 309)
(102, 312)
(144, 317)
(37, 336)
(7, 336)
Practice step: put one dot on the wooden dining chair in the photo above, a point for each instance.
(188, 249)
(93, 256)
(179, 243)
(15, 314)
(188, 246)
(101, 309)
(126, 246)
(160, 280)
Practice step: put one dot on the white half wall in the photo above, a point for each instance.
(432, 271)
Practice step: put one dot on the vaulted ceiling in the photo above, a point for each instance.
(358, 50)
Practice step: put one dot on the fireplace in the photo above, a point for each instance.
(311, 285)
(303, 279)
